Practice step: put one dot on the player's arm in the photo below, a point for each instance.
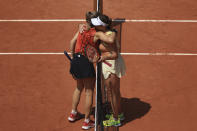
(73, 43)
(110, 39)
(111, 55)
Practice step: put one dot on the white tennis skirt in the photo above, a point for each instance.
(118, 67)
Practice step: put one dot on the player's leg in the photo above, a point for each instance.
(113, 88)
(116, 90)
(77, 94)
(109, 83)
(89, 84)
(75, 101)
(115, 95)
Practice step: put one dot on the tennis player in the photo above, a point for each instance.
(82, 69)
(112, 74)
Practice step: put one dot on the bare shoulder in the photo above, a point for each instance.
(98, 33)
(107, 34)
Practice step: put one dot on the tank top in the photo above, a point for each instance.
(87, 37)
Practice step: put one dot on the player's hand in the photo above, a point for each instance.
(102, 58)
(71, 55)
(82, 28)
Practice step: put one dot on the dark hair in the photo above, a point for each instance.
(91, 14)
(105, 19)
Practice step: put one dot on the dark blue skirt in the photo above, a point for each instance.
(81, 67)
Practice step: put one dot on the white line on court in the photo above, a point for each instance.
(83, 20)
(125, 54)
(162, 54)
(44, 20)
(167, 21)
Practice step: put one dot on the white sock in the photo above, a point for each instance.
(74, 112)
(87, 120)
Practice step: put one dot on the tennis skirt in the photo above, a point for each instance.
(81, 67)
(118, 67)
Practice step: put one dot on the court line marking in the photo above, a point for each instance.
(83, 20)
(125, 54)
(44, 20)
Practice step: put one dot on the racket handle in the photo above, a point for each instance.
(107, 63)
(67, 55)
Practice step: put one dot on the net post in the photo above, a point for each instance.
(98, 7)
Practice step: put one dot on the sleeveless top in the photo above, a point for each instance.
(84, 38)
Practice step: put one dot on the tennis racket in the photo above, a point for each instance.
(91, 53)
(67, 55)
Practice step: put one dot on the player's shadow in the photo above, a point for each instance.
(134, 108)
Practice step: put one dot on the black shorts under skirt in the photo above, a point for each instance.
(81, 67)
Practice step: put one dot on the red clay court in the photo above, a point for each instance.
(159, 89)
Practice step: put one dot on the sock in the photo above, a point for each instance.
(87, 120)
(74, 112)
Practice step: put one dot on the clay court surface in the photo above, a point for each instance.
(159, 91)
